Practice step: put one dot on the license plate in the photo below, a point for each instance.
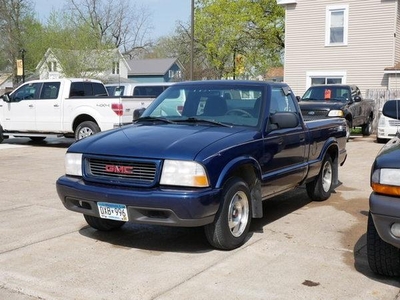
(112, 211)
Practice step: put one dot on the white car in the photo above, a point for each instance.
(387, 128)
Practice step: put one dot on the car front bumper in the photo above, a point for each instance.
(385, 211)
(160, 206)
(386, 132)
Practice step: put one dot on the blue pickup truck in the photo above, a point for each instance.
(204, 153)
(383, 230)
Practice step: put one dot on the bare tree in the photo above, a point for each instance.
(13, 14)
(119, 23)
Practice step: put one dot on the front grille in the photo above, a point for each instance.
(394, 123)
(121, 171)
(309, 115)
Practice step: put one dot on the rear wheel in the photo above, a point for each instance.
(103, 224)
(232, 222)
(321, 187)
(383, 258)
(86, 129)
(367, 128)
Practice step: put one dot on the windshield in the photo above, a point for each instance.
(212, 105)
(326, 93)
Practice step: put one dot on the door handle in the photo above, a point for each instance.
(30, 105)
(56, 105)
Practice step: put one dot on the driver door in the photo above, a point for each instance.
(19, 113)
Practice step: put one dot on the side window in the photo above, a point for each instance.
(27, 92)
(148, 91)
(50, 90)
(281, 102)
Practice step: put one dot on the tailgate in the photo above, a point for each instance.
(132, 103)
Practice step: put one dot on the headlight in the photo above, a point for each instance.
(336, 113)
(386, 181)
(183, 173)
(382, 121)
(73, 164)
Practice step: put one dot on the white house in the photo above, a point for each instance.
(106, 65)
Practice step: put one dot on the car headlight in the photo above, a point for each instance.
(336, 113)
(73, 164)
(184, 173)
(386, 181)
(382, 121)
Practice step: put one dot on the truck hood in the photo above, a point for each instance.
(321, 105)
(154, 141)
(388, 156)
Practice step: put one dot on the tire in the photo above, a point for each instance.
(320, 188)
(366, 129)
(86, 129)
(1, 135)
(383, 258)
(380, 141)
(103, 224)
(348, 130)
(232, 222)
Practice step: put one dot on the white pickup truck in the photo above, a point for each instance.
(63, 107)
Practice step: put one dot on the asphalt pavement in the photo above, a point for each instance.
(299, 250)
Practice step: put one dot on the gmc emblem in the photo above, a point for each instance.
(119, 169)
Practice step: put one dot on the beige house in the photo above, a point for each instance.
(354, 42)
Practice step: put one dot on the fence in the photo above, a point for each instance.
(380, 96)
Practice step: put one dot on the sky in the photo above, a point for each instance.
(165, 13)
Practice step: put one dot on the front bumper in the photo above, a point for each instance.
(386, 132)
(160, 206)
(385, 211)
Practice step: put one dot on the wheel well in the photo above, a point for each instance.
(246, 172)
(82, 118)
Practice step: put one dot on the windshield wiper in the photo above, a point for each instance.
(308, 99)
(154, 119)
(196, 120)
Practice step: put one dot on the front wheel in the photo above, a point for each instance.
(103, 224)
(1, 135)
(321, 187)
(232, 222)
(86, 129)
(383, 258)
(348, 130)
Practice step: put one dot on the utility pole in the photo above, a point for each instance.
(23, 51)
(192, 40)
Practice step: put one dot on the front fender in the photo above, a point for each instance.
(235, 164)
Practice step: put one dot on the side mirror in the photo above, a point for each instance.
(298, 98)
(137, 113)
(391, 109)
(281, 120)
(6, 98)
(357, 98)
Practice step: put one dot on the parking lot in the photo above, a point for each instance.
(299, 250)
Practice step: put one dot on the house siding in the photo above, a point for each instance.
(397, 34)
(370, 47)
